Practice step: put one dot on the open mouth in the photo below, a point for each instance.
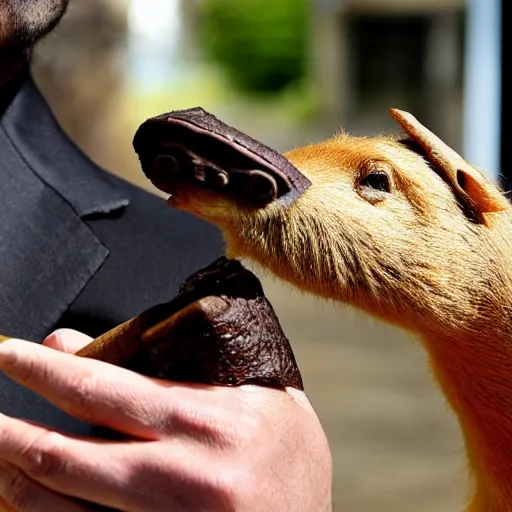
(194, 147)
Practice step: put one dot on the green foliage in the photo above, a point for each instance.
(261, 44)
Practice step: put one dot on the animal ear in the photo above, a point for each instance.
(470, 186)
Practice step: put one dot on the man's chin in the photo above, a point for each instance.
(24, 22)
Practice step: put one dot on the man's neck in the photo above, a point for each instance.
(12, 72)
(11, 63)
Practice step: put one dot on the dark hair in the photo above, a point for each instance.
(30, 21)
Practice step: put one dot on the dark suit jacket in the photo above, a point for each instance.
(79, 248)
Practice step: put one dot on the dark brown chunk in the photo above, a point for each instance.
(220, 329)
(217, 156)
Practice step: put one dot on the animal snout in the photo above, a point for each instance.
(179, 166)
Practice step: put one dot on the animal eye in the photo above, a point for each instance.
(377, 180)
(375, 186)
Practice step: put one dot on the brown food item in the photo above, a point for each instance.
(193, 146)
(403, 228)
(220, 329)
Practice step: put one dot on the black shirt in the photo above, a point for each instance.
(79, 247)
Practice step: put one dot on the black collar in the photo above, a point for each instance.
(37, 137)
(48, 253)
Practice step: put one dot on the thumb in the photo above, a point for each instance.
(67, 340)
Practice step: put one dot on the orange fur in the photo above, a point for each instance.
(414, 259)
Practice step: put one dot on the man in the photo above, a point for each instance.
(83, 250)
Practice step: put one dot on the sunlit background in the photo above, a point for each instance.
(290, 72)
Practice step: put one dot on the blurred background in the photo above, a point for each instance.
(289, 72)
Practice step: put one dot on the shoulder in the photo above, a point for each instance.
(152, 249)
(149, 217)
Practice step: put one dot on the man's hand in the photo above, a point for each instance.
(187, 447)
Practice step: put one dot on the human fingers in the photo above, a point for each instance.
(101, 394)
(67, 340)
(19, 493)
(132, 476)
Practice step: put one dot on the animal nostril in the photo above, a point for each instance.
(165, 165)
(260, 186)
(210, 175)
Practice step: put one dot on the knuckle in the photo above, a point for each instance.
(53, 337)
(205, 422)
(25, 368)
(221, 431)
(79, 396)
(44, 458)
(20, 493)
(229, 428)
